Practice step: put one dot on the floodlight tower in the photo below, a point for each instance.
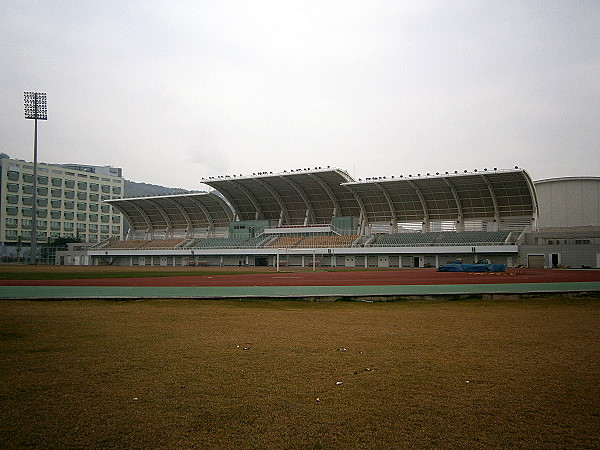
(35, 108)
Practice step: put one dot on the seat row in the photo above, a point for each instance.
(319, 241)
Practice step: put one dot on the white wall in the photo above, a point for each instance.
(569, 202)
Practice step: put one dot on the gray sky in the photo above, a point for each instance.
(173, 91)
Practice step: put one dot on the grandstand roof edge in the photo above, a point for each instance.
(151, 197)
(430, 177)
(344, 173)
(550, 180)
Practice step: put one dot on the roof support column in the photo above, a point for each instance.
(394, 222)
(165, 216)
(149, 229)
(423, 205)
(309, 215)
(211, 225)
(336, 206)
(495, 202)
(362, 219)
(189, 227)
(460, 221)
(284, 217)
(259, 212)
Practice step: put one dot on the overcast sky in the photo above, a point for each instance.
(173, 91)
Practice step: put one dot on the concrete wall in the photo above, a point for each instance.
(569, 202)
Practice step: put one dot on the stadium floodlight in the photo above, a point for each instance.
(36, 109)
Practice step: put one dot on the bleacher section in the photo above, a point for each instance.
(126, 245)
(159, 244)
(257, 242)
(286, 242)
(466, 238)
(441, 238)
(327, 241)
(217, 243)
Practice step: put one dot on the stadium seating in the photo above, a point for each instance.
(286, 242)
(327, 241)
(127, 245)
(441, 238)
(218, 243)
(159, 244)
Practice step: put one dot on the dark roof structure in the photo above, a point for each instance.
(175, 212)
(458, 197)
(294, 198)
(306, 197)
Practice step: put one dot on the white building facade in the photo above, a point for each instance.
(70, 203)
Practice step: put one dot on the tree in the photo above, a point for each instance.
(60, 243)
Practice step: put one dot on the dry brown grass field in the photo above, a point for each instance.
(279, 374)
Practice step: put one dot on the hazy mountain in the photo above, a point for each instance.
(135, 189)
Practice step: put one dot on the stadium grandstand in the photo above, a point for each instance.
(325, 217)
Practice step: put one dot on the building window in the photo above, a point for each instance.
(11, 222)
(55, 214)
(81, 206)
(69, 183)
(69, 204)
(81, 227)
(56, 192)
(11, 187)
(69, 194)
(56, 182)
(116, 229)
(82, 195)
(12, 210)
(81, 185)
(116, 219)
(42, 180)
(69, 215)
(27, 201)
(12, 176)
(11, 234)
(27, 189)
(12, 199)
(93, 207)
(81, 216)
(54, 225)
(42, 202)
(56, 203)
(116, 190)
(94, 187)
(42, 213)
(94, 217)
(105, 219)
(42, 191)
(28, 178)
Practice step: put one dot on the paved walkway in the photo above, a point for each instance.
(315, 292)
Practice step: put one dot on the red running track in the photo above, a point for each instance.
(352, 278)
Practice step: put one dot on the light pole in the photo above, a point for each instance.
(35, 108)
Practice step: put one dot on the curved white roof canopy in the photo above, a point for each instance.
(169, 213)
